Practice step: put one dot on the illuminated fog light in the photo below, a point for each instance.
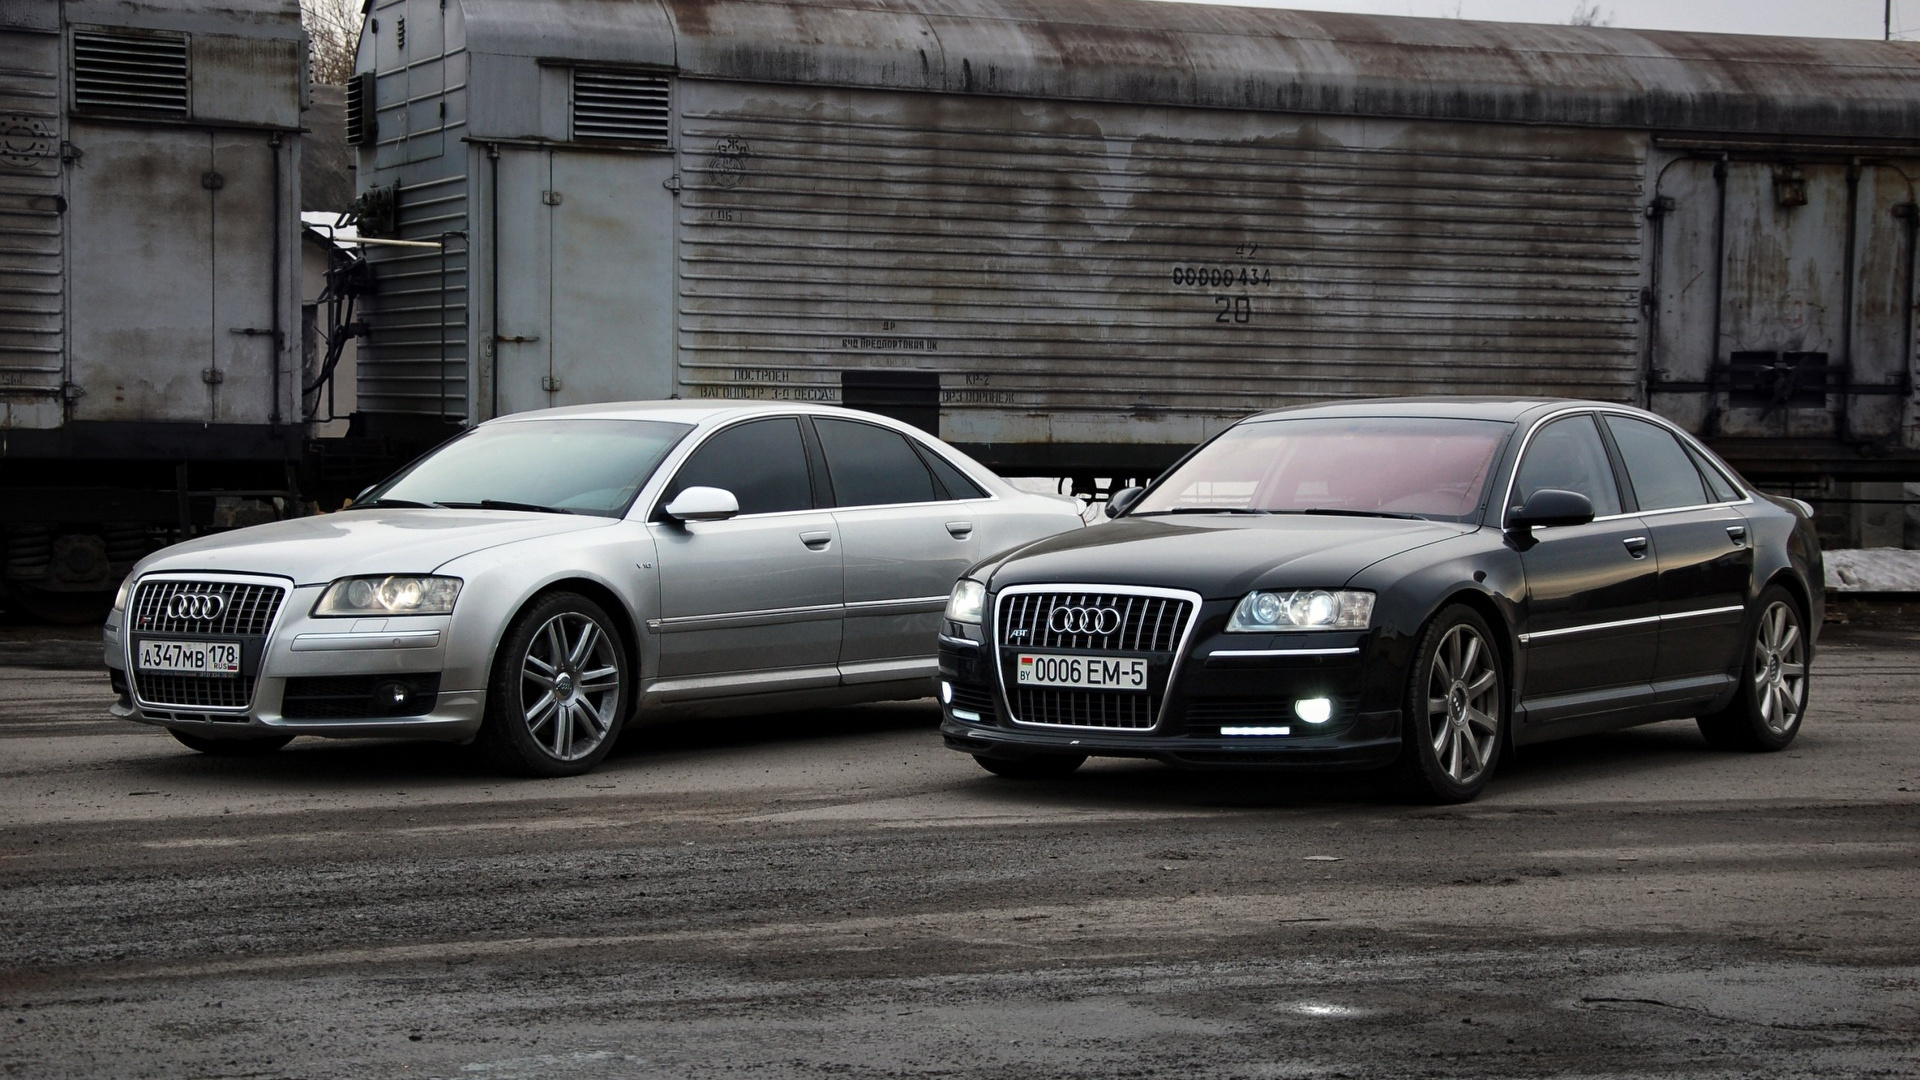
(1314, 710)
(1256, 731)
(946, 692)
(967, 715)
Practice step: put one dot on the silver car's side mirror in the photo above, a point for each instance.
(703, 504)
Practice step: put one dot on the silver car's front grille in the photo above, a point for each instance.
(181, 609)
(1142, 624)
(246, 610)
(1091, 622)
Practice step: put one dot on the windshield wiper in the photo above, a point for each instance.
(404, 504)
(1331, 511)
(1199, 510)
(503, 504)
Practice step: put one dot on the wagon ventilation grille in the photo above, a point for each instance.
(130, 73)
(620, 106)
(363, 126)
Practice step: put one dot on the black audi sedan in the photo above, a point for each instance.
(1415, 584)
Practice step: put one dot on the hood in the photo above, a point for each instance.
(311, 550)
(1218, 555)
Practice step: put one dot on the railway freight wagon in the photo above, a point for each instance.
(150, 382)
(1077, 236)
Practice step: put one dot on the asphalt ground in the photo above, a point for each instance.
(834, 894)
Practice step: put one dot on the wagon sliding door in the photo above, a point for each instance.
(1782, 298)
(586, 257)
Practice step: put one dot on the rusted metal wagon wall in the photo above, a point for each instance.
(148, 278)
(1078, 235)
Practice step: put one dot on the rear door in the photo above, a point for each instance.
(908, 534)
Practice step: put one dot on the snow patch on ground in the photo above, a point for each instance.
(1873, 570)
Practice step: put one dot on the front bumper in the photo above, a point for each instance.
(1221, 686)
(340, 678)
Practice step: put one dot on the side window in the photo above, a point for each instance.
(1717, 484)
(762, 462)
(1567, 455)
(871, 465)
(951, 478)
(1660, 471)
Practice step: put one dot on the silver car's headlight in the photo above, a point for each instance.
(968, 604)
(394, 594)
(120, 598)
(1302, 609)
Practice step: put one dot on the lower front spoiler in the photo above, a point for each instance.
(1373, 742)
(455, 718)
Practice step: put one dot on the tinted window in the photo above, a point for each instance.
(956, 482)
(1721, 489)
(586, 466)
(1661, 473)
(1423, 466)
(763, 463)
(1567, 455)
(871, 465)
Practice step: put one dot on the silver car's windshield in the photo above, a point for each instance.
(1377, 466)
(562, 466)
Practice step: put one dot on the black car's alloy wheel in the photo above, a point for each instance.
(559, 689)
(1771, 698)
(247, 747)
(1455, 709)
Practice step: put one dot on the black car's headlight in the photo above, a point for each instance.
(1302, 609)
(968, 604)
(393, 594)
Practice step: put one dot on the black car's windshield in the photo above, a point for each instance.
(1373, 466)
(559, 466)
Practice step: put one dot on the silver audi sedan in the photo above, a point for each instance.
(546, 577)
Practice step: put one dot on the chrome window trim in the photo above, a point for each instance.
(1513, 475)
(1173, 673)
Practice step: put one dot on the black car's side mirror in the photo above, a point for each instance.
(1551, 506)
(1122, 501)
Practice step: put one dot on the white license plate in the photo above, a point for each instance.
(191, 657)
(1082, 672)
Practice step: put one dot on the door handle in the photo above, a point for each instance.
(1636, 546)
(1737, 534)
(960, 530)
(818, 541)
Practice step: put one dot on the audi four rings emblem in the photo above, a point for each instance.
(1083, 620)
(189, 605)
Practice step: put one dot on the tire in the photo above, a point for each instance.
(248, 747)
(559, 689)
(1037, 767)
(1455, 710)
(1771, 698)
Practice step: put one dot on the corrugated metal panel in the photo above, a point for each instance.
(415, 359)
(125, 72)
(623, 106)
(1058, 262)
(32, 291)
(1234, 57)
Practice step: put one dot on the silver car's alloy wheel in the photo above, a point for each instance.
(1779, 670)
(570, 685)
(1463, 704)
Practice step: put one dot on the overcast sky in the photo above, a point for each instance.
(1793, 18)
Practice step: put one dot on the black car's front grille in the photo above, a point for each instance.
(1091, 622)
(1078, 620)
(358, 697)
(1086, 708)
(245, 610)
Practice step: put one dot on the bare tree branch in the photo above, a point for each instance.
(1585, 14)
(334, 27)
